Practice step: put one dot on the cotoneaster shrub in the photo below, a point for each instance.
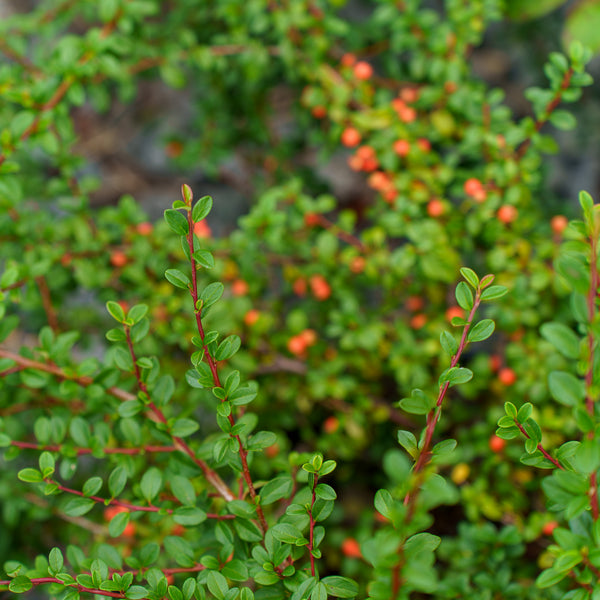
(339, 305)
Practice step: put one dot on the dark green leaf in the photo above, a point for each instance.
(202, 208)
(176, 221)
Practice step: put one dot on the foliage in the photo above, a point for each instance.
(304, 407)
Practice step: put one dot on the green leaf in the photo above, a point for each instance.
(55, 561)
(92, 486)
(444, 447)
(202, 208)
(236, 570)
(493, 292)
(151, 484)
(340, 587)
(183, 490)
(118, 523)
(464, 296)
(481, 331)
(137, 313)
(566, 388)
(326, 492)
(176, 221)
(319, 592)
(261, 440)
(204, 258)
(286, 533)
(448, 343)
(419, 403)
(20, 584)
(77, 507)
(276, 489)
(136, 592)
(178, 278)
(217, 584)
(184, 427)
(587, 455)
(384, 503)
(29, 475)
(117, 481)
(470, 276)
(130, 408)
(563, 119)
(562, 338)
(180, 550)
(247, 530)
(211, 293)
(408, 441)
(524, 412)
(455, 376)
(228, 347)
(115, 311)
(189, 516)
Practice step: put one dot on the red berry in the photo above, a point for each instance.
(473, 187)
(331, 424)
(299, 287)
(401, 147)
(454, 311)
(507, 376)
(357, 264)
(351, 548)
(507, 213)
(435, 208)
(202, 230)
(363, 70)
(348, 60)
(320, 288)
(549, 527)
(350, 137)
(144, 228)
(418, 321)
(311, 219)
(239, 287)
(309, 336)
(559, 223)
(296, 345)
(409, 94)
(251, 317)
(497, 444)
(319, 112)
(118, 258)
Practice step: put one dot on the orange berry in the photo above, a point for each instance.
(495, 362)
(379, 180)
(331, 424)
(320, 288)
(398, 105)
(370, 165)
(407, 114)
(390, 195)
(251, 317)
(170, 579)
(473, 187)
(507, 213)
(177, 529)
(435, 208)
(424, 145)
(350, 137)
(348, 60)
(118, 258)
(65, 259)
(351, 548)
(507, 376)
(309, 336)
(450, 87)
(496, 444)
(401, 147)
(380, 518)
(272, 451)
(409, 94)
(311, 219)
(418, 321)
(549, 527)
(363, 70)
(174, 148)
(559, 223)
(357, 264)
(299, 286)
(202, 230)
(454, 311)
(414, 303)
(319, 112)
(356, 163)
(239, 287)
(296, 345)
(365, 152)
(144, 228)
